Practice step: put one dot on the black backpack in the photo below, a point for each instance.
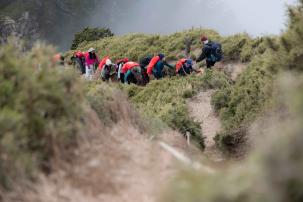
(145, 61)
(216, 51)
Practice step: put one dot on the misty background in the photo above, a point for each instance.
(256, 17)
(226, 16)
(59, 20)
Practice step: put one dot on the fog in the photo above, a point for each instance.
(256, 17)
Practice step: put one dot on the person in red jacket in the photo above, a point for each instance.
(156, 66)
(78, 60)
(102, 63)
(184, 67)
(58, 59)
(132, 73)
(107, 69)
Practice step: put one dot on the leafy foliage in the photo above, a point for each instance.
(90, 34)
(240, 104)
(137, 46)
(272, 171)
(40, 114)
(166, 99)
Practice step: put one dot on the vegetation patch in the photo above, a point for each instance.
(272, 172)
(90, 34)
(40, 112)
(166, 99)
(240, 104)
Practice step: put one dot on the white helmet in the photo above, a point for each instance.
(91, 50)
(108, 62)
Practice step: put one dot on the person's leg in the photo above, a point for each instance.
(181, 72)
(159, 68)
(186, 70)
(87, 72)
(122, 77)
(210, 64)
(145, 75)
(91, 72)
(82, 65)
(79, 64)
(132, 79)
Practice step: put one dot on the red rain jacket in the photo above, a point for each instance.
(152, 64)
(79, 54)
(103, 62)
(179, 64)
(128, 66)
(125, 60)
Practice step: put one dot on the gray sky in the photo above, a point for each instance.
(260, 16)
(256, 17)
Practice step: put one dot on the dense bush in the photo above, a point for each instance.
(291, 56)
(40, 112)
(112, 105)
(241, 47)
(239, 105)
(166, 99)
(90, 34)
(136, 46)
(272, 173)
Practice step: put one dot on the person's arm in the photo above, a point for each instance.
(168, 65)
(129, 72)
(203, 54)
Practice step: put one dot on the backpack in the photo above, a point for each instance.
(216, 52)
(145, 61)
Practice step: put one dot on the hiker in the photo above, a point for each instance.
(184, 67)
(144, 62)
(211, 51)
(107, 69)
(120, 64)
(58, 59)
(79, 60)
(91, 59)
(132, 73)
(156, 66)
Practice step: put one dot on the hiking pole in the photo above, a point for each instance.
(185, 160)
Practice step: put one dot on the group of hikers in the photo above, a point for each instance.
(148, 67)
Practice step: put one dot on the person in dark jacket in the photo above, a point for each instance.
(144, 62)
(156, 66)
(184, 67)
(211, 52)
(79, 61)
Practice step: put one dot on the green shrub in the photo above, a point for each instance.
(111, 105)
(291, 54)
(41, 112)
(137, 46)
(166, 99)
(240, 104)
(90, 34)
(272, 172)
(221, 98)
(241, 47)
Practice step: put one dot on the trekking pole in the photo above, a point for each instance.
(185, 160)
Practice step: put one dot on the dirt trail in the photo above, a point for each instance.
(201, 110)
(233, 69)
